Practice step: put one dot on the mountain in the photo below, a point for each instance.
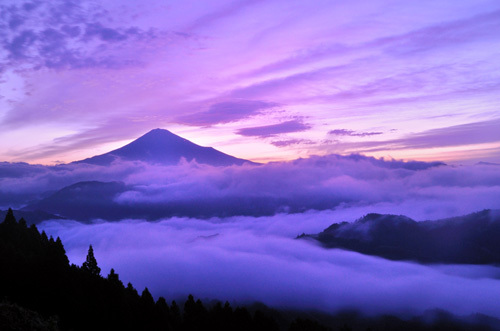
(31, 217)
(83, 201)
(163, 147)
(88, 200)
(469, 239)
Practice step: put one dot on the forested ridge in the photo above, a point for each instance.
(468, 239)
(41, 290)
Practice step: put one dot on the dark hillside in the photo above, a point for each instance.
(469, 239)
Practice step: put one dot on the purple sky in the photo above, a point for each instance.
(262, 80)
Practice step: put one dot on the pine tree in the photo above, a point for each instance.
(162, 306)
(114, 279)
(132, 291)
(22, 223)
(45, 239)
(175, 316)
(147, 298)
(10, 218)
(162, 313)
(90, 264)
(60, 252)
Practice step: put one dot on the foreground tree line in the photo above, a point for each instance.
(41, 290)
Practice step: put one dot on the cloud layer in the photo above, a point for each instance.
(418, 189)
(246, 259)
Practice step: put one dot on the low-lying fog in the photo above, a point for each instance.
(245, 259)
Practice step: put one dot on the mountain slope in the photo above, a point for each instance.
(163, 147)
(83, 201)
(469, 239)
(88, 200)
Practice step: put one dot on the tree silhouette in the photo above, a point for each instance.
(9, 218)
(23, 223)
(114, 278)
(147, 298)
(45, 239)
(90, 264)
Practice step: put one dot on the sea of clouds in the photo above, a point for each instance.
(417, 189)
(254, 256)
(247, 259)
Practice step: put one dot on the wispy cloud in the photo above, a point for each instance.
(289, 142)
(425, 39)
(458, 135)
(274, 129)
(226, 112)
(352, 133)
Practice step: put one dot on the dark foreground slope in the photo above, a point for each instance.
(163, 147)
(469, 239)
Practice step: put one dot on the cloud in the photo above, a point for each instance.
(63, 34)
(471, 133)
(289, 142)
(457, 135)
(104, 33)
(225, 112)
(439, 35)
(221, 13)
(419, 190)
(351, 133)
(109, 131)
(245, 259)
(274, 129)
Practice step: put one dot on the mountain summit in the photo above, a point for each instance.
(161, 146)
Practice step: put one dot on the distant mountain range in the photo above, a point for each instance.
(88, 200)
(163, 147)
(469, 239)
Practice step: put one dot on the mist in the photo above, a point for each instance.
(248, 259)
(419, 190)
